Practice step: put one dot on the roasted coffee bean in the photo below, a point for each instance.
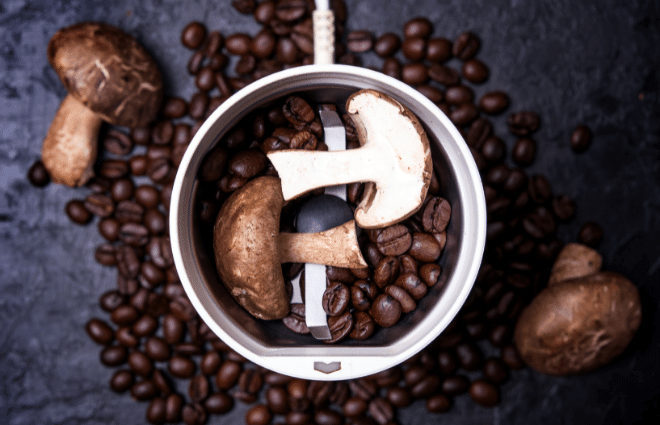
(339, 274)
(138, 165)
(359, 41)
(424, 247)
(160, 251)
(430, 273)
(76, 211)
(157, 349)
(327, 417)
(336, 298)
(363, 326)
(438, 50)
(438, 403)
(156, 411)
(475, 71)
(466, 46)
(365, 388)
(494, 102)
(140, 364)
(117, 143)
(134, 234)
(248, 163)
(193, 35)
(110, 300)
(297, 111)
(414, 49)
(539, 223)
(219, 403)
(539, 189)
(197, 108)
(464, 114)
(194, 414)
(484, 393)
(198, 388)
(114, 355)
(399, 397)
(563, 207)
(238, 44)
(246, 64)
(434, 94)
(99, 331)
(381, 410)
(469, 356)
(590, 234)
(480, 130)
(38, 175)
(394, 240)
(493, 149)
(205, 78)
(359, 300)
(412, 284)
(443, 74)
(455, 385)
(510, 356)
(392, 68)
(523, 123)
(105, 254)
(340, 326)
(407, 302)
(174, 107)
(173, 329)
(495, 371)
(228, 374)
(181, 367)
(145, 326)
(195, 62)
(295, 320)
(417, 27)
(155, 221)
(386, 271)
(387, 45)
(290, 10)
(414, 73)
(124, 315)
(303, 140)
(407, 264)
(100, 205)
(263, 44)
(436, 215)
(354, 406)
(524, 151)
(143, 390)
(213, 43)
(580, 138)
(458, 95)
(385, 310)
(277, 400)
(447, 362)
(113, 168)
(121, 380)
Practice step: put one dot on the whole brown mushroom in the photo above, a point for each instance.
(110, 77)
(582, 320)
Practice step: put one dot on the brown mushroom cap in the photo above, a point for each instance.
(108, 71)
(579, 324)
(245, 242)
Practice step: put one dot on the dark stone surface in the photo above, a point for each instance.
(593, 62)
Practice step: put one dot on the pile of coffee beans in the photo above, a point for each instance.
(403, 257)
(164, 355)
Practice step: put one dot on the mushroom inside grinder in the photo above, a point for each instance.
(395, 156)
(249, 248)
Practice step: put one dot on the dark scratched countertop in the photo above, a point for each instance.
(593, 62)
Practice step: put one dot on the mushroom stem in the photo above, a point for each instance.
(70, 147)
(336, 247)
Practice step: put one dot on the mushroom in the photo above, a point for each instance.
(249, 248)
(395, 156)
(582, 320)
(110, 77)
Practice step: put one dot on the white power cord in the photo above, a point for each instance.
(324, 33)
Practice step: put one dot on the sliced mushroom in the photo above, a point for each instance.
(249, 248)
(110, 77)
(395, 156)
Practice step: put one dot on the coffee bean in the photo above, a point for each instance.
(295, 320)
(303, 140)
(493, 149)
(219, 403)
(327, 417)
(140, 364)
(414, 73)
(484, 393)
(418, 27)
(412, 284)
(436, 215)
(194, 414)
(407, 302)
(458, 95)
(434, 94)
(426, 387)
(156, 411)
(105, 254)
(539, 223)
(227, 375)
(563, 207)
(464, 114)
(523, 123)
(469, 356)
(297, 111)
(100, 205)
(392, 68)
(580, 138)
(385, 310)
(198, 388)
(238, 44)
(204, 79)
(117, 143)
(430, 273)
(290, 10)
(336, 298)
(340, 326)
(539, 189)
(387, 45)
(438, 50)
(386, 271)
(113, 168)
(38, 175)
(424, 247)
(99, 331)
(394, 240)
(414, 49)
(443, 74)
(354, 407)
(475, 71)
(302, 36)
(365, 388)
(480, 130)
(494, 102)
(181, 367)
(138, 165)
(193, 35)
(124, 315)
(438, 403)
(76, 211)
(359, 41)
(466, 46)
(381, 410)
(157, 349)
(495, 371)
(114, 355)
(590, 234)
(524, 151)
(121, 380)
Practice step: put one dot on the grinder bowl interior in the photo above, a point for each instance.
(268, 342)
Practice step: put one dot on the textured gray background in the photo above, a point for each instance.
(572, 61)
